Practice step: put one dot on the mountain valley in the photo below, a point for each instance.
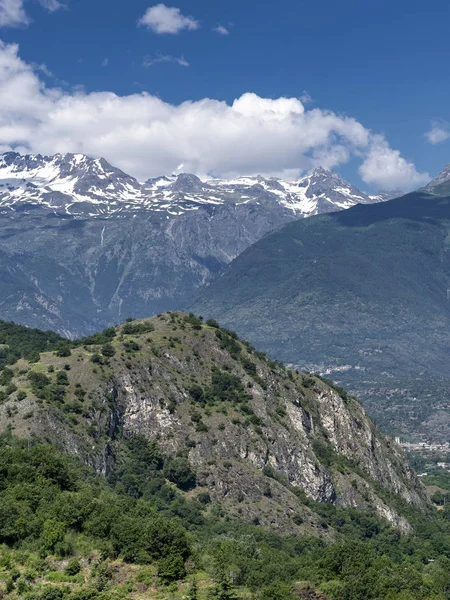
(83, 245)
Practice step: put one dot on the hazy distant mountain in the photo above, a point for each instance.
(84, 245)
(362, 295)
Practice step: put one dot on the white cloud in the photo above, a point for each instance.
(146, 136)
(149, 61)
(42, 68)
(386, 168)
(165, 19)
(306, 98)
(221, 30)
(105, 62)
(51, 5)
(12, 13)
(439, 132)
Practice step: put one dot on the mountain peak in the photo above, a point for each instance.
(322, 171)
(442, 178)
(187, 182)
(80, 184)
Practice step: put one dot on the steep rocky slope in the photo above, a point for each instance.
(263, 441)
(83, 245)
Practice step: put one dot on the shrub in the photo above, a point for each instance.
(196, 322)
(73, 567)
(39, 382)
(249, 366)
(62, 378)
(204, 498)
(108, 350)
(228, 341)
(53, 533)
(212, 323)
(131, 328)
(131, 346)
(63, 350)
(171, 568)
(179, 472)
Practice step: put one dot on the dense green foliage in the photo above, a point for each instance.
(44, 495)
(224, 387)
(17, 341)
(50, 506)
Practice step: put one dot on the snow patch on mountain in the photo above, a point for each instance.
(79, 185)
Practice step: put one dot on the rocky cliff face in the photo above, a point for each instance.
(77, 276)
(262, 440)
(84, 245)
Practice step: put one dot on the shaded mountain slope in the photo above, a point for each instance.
(361, 294)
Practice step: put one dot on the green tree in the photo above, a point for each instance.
(223, 589)
(179, 472)
(193, 591)
(171, 568)
(108, 350)
(52, 534)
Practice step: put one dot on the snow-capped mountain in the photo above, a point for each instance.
(84, 245)
(78, 185)
(65, 181)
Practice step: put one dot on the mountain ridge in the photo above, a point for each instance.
(71, 181)
(83, 245)
(165, 457)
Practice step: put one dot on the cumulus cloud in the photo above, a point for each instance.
(165, 19)
(12, 13)
(385, 167)
(149, 61)
(439, 132)
(146, 136)
(221, 30)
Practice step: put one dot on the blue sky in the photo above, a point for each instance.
(383, 64)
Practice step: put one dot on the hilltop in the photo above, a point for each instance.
(257, 437)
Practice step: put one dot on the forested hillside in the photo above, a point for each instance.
(121, 476)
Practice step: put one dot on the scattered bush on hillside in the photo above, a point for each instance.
(108, 350)
(137, 328)
(196, 322)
